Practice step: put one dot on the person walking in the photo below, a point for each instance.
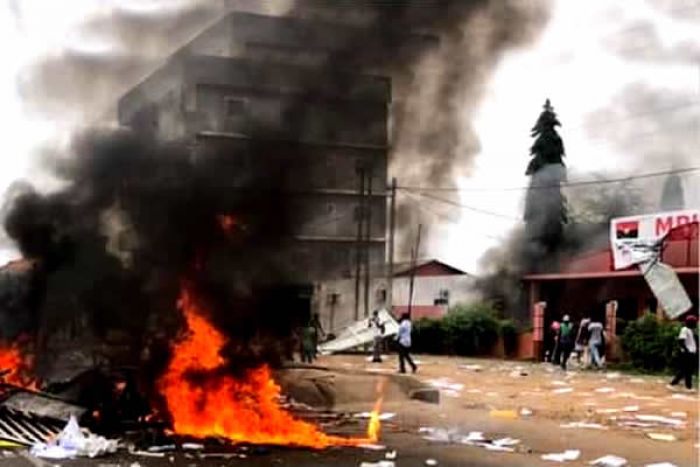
(309, 340)
(581, 343)
(318, 332)
(404, 340)
(566, 340)
(377, 327)
(552, 352)
(596, 337)
(688, 358)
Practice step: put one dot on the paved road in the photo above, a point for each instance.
(473, 389)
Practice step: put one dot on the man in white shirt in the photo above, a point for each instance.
(689, 353)
(404, 340)
(377, 327)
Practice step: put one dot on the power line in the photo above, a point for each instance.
(464, 206)
(446, 216)
(419, 189)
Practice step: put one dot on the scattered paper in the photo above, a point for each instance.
(661, 436)
(606, 411)
(391, 455)
(495, 447)
(683, 397)
(559, 383)
(660, 419)
(596, 426)
(679, 414)
(609, 461)
(568, 455)
(378, 464)
(474, 436)
(562, 390)
(192, 446)
(431, 462)
(631, 408)
(382, 416)
(612, 375)
(445, 383)
(164, 448)
(505, 442)
(372, 447)
(470, 367)
(605, 390)
(661, 464)
(525, 412)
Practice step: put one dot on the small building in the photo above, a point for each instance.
(588, 284)
(437, 286)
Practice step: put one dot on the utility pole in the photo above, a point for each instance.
(368, 239)
(358, 242)
(392, 233)
(414, 261)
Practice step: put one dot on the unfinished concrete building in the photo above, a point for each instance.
(242, 75)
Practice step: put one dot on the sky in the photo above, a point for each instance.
(624, 79)
(622, 75)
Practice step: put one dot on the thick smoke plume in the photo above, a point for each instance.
(139, 216)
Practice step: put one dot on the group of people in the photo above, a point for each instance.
(313, 332)
(587, 341)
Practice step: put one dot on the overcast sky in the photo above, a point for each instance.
(623, 76)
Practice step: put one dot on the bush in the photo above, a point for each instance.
(428, 336)
(509, 334)
(470, 329)
(650, 344)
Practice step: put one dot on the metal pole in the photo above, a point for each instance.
(414, 260)
(358, 243)
(392, 232)
(368, 239)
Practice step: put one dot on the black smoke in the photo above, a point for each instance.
(139, 216)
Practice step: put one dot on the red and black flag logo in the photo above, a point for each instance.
(627, 229)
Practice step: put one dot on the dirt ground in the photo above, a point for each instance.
(532, 403)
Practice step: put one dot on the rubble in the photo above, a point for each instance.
(72, 442)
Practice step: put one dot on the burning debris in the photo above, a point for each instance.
(203, 402)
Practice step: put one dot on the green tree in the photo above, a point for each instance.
(545, 205)
(548, 147)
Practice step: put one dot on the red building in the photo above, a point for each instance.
(588, 283)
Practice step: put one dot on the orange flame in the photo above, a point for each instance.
(240, 410)
(19, 366)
